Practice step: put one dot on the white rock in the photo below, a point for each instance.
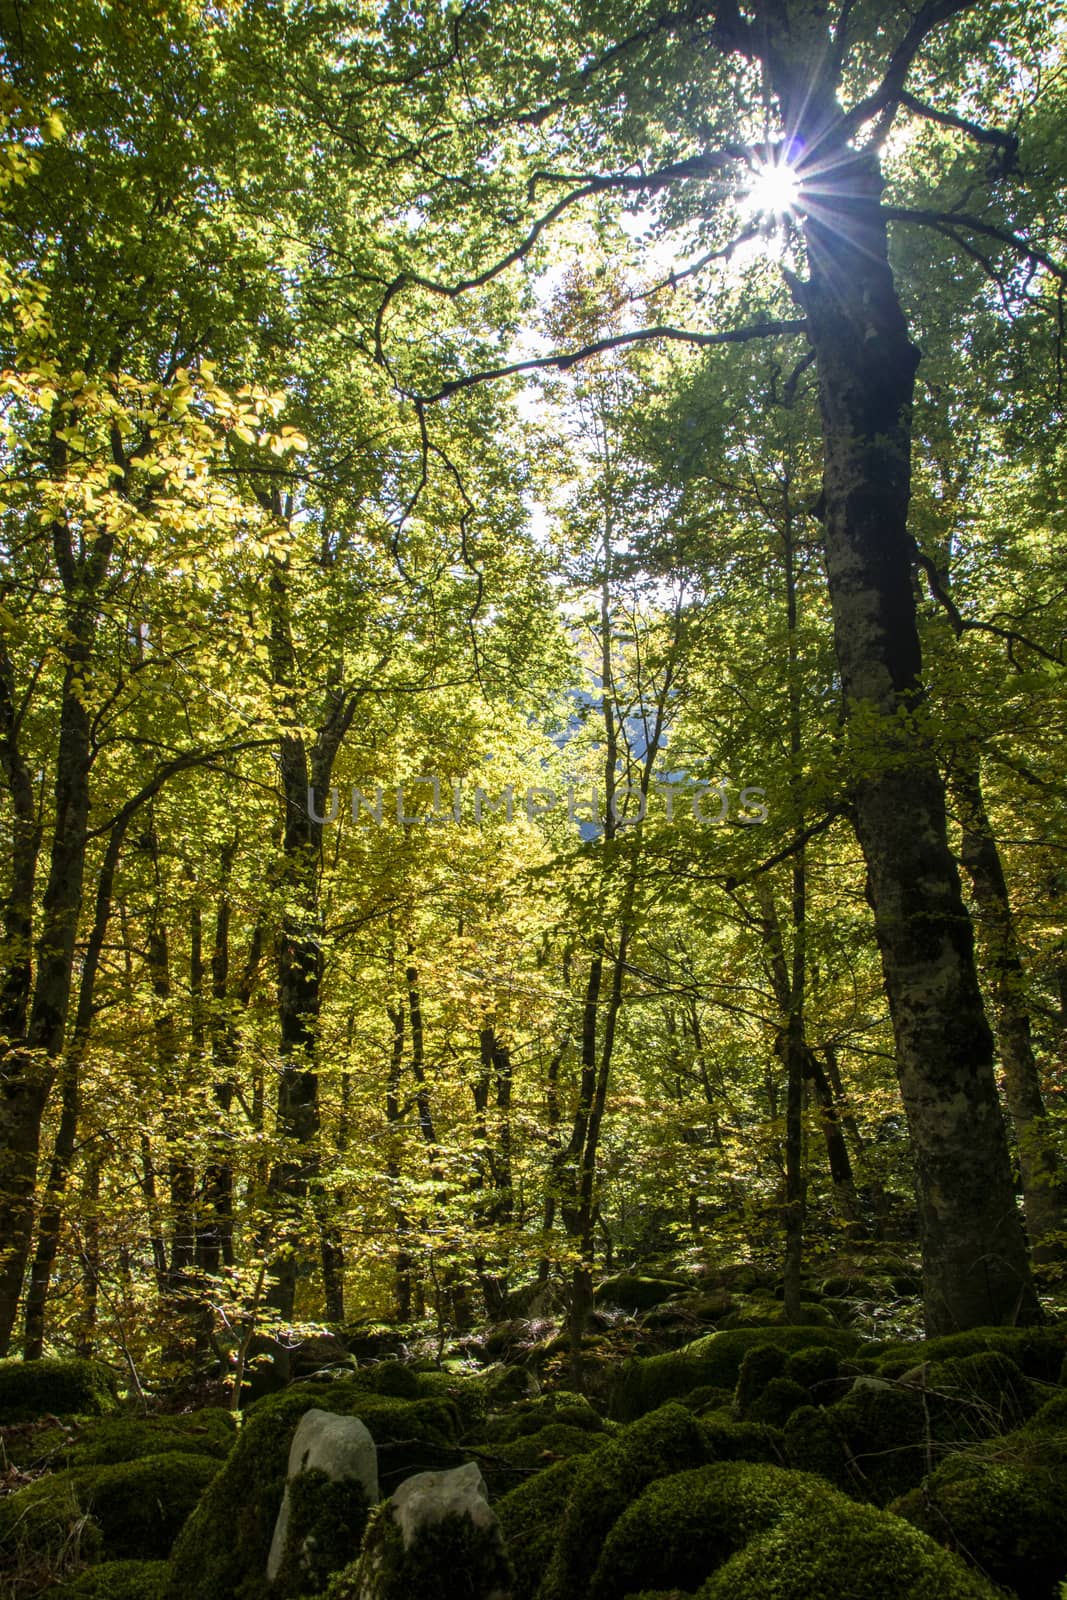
(429, 1497)
(339, 1446)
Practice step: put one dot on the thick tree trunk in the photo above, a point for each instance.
(1044, 1184)
(974, 1254)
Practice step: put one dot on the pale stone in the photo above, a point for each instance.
(341, 1447)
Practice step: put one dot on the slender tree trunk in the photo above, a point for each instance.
(975, 1263)
(403, 1264)
(30, 1068)
(1044, 1184)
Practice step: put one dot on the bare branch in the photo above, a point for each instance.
(988, 230)
(762, 330)
(1008, 142)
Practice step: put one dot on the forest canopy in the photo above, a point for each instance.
(532, 610)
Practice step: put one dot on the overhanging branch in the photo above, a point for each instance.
(570, 358)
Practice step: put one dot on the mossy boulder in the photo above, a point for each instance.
(872, 1443)
(222, 1552)
(665, 1441)
(1038, 1352)
(759, 1313)
(1003, 1506)
(529, 1518)
(116, 1580)
(327, 1518)
(509, 1463)
(818, 1368)
(635, 1293)
(46, 1528)
(644, 1383)
(979, 1395)
(210, 1432)
(55, 1387)
(683, 1527)
(132, 1510)
(832, 1546)
(530, 1416)
(436, 1539)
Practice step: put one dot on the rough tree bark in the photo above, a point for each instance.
(975, 1264)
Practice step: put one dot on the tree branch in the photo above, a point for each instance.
(570, 358)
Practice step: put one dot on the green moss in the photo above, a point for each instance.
(981, 1394)
(637, 1293)
(141, 1506)
(1003, 1506)
(1039, 1352)
(222, 1551)
(872, 1443)
(682, 1527)
(771, 1314)
(780, 1398)
(530, 1416)
(467, 1393)
(849, 1551)
(817, 1368)
(326, 1521)
(664, 1442)
(50, 1386)
(509, 1463)
(449, 1560)
(116, 1580)
(529, 1518)
(47, 1523)
(715, 1359)
(758, 1366)
(727, 1440)
(205, 1433)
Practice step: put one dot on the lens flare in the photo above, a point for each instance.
(773, 189)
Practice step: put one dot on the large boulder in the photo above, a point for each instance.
(436, 1539)
(222, 1552)
(332, 1483)
(55, 1387)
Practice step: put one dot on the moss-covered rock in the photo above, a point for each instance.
(852, 1552)
(327, 1517)
(508, 1464)
(817, 1368)
(210, 1432)
(769, 1313)
(141, 1506)
(222, 1552)
(979, 1395)
(635, 1293)
(437, 1539)
(758, 1366)
(681, 1528)
(1002, 1505)
(55, 1387)
(1039, 1352)
(116, 1580)
(132, 1510)
(777, 1402)
(645, 1383)
(663, 1442)
(530, 1416)
(529, 1518)
(873, 1443)
(46, 1528)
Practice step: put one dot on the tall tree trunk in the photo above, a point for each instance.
(30, 1068)
(48, 1231)
(1044, 1183)
(975, 1263)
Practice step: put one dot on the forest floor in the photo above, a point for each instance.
(696, 1444)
